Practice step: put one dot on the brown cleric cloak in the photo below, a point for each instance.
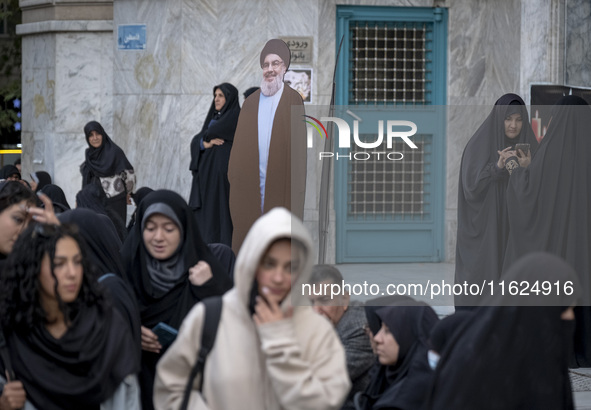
(285, 183)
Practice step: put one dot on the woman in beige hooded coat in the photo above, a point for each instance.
(265, 357)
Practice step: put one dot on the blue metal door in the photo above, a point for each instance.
(392, 68)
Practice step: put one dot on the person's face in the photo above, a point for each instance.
(12, 220)
(387, 347)
(513, 125)
(274, 271)
(67, 269)
(13, 177)
(162, 236)
(219, 99)
(272, 67)
(33, 185)
(95, 139)
(19, 167)
(333, 309)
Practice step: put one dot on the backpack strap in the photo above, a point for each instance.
(213, 312)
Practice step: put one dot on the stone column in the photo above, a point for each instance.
(67, 80)
(542, 44)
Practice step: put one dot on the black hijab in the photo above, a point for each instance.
(380, 376)
(80, 370)
(172, 306)
(9, 170)
(101, 237)
(42, 179)
(410, 323)
(57, 196)
(482, 217)
(104, 161)
(223, 125)
(507, 356)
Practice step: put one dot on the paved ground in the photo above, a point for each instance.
(427, 274)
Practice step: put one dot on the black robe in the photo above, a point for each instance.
(549, 205)
(210, 191)
(172, 306)
(506, 356)
(482, 217)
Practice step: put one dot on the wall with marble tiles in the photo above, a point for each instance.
(578, 43)
(153, 101)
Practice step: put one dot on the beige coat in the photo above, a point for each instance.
(296, 363)
(285, 184)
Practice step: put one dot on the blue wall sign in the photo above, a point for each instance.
(131, 37)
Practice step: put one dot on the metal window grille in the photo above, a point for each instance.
(390, 63)
(382, 189)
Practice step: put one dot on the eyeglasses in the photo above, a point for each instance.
(275, 64)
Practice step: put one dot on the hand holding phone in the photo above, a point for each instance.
(166, 334)
(523, 147)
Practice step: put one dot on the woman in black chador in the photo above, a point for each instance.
(482, 214)
(549, 205)
(210, 153)
(107, 166)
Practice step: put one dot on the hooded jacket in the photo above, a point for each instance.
(294, 363)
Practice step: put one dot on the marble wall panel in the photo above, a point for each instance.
(484, 48)
(157, 69)
(38, 96)
(38, 51)
(105, 115)
(149, 126)
(68, 150)
(542, 44)
(78, 78)
(578, 43)
(200, 46)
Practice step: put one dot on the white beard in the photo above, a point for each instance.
(269, 89)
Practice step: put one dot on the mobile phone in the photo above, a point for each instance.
(166, 334)
(523, 147)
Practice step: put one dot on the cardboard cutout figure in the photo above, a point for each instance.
(268, 160)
